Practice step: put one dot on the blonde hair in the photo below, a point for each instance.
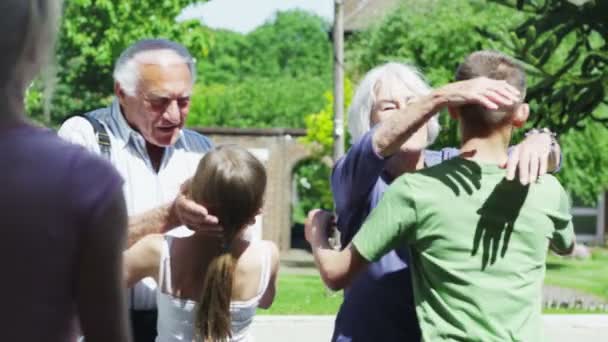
(230, 183)
(360, 110)
(29, 31)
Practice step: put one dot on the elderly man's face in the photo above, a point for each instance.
(392, 95)
(159, 108)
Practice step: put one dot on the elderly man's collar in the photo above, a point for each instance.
(124, 131)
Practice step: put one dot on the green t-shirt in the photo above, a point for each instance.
(478, 246)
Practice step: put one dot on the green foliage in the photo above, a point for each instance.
(294, 43)
(93, 33)
(270, 77)
(565, 49)
(585, 162)
(313, 175)
(257, 102)
(320, 125)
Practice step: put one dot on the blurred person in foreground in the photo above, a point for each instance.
(62, 212)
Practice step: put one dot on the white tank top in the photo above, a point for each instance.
(176, 316)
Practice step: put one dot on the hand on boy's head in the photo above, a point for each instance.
(529, 158)
(492, 94)
(194, 215)
(317, 226)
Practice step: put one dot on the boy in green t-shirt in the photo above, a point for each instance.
(478, 242)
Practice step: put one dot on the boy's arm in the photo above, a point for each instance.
(564, 239)
(337, 268)
(390, 225)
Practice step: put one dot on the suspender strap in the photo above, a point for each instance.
(103, 139)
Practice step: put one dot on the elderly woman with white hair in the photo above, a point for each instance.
(62, 211)
(392, 119)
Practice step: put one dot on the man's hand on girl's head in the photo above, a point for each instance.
(193, 215)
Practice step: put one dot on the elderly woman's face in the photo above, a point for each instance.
(391, 96)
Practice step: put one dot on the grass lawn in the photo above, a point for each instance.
(306, 294)
(588, 276)
(303, 295)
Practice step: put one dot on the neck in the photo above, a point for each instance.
(489, 149)
(404, 162)
(155, 153)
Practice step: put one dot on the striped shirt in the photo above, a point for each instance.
(143, 188)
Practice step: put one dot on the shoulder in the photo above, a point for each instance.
(78, 130)
(426, 182)
(273, 250)
(75, 125)
(258, 250)
(196, 142)
(550, 187)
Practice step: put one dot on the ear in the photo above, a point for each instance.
(454, 113)
(521, 115)
(120, 94)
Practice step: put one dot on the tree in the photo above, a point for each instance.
(312, 176)
(270, 77)
(281, 101)
(565, 49)
(92, 35)
(585, 161)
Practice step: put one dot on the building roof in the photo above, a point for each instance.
(360, 14)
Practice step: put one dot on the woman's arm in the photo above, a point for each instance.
(402, 123)
(142, 259)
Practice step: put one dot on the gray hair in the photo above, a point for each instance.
(29, 30)
(126, 71)
(360, 110)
